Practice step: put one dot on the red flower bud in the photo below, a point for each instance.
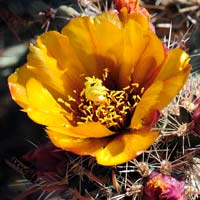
(48, 161)
(160, 186)
(132, 7)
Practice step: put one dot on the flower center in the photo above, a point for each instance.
(112, 108)
(157, 183)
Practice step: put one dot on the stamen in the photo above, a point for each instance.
(70, 98)
(112, 108)
(66, 104)
(105, 74)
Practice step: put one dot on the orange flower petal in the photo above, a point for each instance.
(67, 66)
(17, 85)
(34, 98)
(147, 103)
(42, 107)
(176, 61)
(94, 51)
(45, 68)
(172, 86)
(86, 130)
(125, 147)
(137, 37)
(174, 73)
(53, 61)
(135, 41)
(149, 62)
(103, 52)
(77, 145)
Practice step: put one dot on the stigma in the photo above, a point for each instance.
(94, 91)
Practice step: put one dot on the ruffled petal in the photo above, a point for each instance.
(68, 67)
(176, 61)
(132, 37)
(172, 86)
(174, 73)
(35, 99)
(135, 41)
(147, 104)
(53, 61)
(86, 130)
(150, 61)
(125, 147)
(42, 107)
(91, 39)
(16, 83)
(45, 68)
(77, 145)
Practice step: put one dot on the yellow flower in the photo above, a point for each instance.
(98, 85)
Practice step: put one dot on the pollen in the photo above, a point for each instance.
(97, 103)
(157, 183)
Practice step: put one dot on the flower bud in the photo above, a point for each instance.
(160, 186)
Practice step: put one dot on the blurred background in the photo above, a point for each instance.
(20, 23)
